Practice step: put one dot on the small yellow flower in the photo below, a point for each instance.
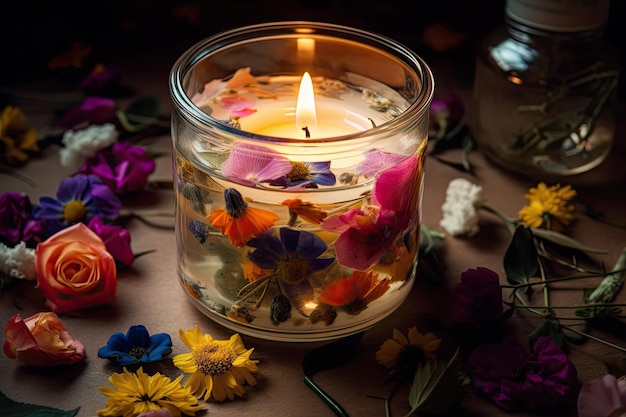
(218, 368)
(16, 139)
(136, 393)
(549, 207)
(403, 354)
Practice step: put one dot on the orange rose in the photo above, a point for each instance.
(41, 340)
(74, 270)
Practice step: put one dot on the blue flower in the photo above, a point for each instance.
(137, 346)
(78, 199)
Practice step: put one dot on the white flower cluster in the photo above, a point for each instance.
(459, 210)
(85, 143)
(17, 262)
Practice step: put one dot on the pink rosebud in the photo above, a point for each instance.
(74, 270)
(116, 239)
(41, 340)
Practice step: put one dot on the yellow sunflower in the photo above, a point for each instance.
(402, 354)
(218, 368)
(550, 207)
(136, 393)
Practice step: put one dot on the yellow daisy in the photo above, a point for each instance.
(402, 354)
(549, 207)
(218, 368)
(136, 393)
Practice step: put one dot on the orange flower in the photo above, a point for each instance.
(309, 212)
(254, 273)
(353, 293)
(239, 222)
(74, 270)
(41, 340)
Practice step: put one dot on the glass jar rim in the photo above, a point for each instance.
(197, 52)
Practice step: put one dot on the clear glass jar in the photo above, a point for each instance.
(545, 88)
(289, 232)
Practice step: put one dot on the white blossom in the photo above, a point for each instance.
(460, 216)
(85, 143)
(17, 262)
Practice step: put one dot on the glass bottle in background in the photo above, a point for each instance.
(545, 88)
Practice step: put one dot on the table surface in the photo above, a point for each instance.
(149, 293)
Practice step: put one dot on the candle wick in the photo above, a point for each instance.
(307, 134)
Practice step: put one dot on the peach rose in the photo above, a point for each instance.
(74, 270)
(41, 340)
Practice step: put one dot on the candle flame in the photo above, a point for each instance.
(306, 117)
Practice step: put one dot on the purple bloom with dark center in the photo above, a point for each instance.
(123, 167)
(78, 199)
(477, 307)
(136, 346)
(307, 175)
(115, 238)
(251, 165)
(17, 223)
(93, 110)
(514, 378)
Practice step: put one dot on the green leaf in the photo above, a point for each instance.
(329, 356)
(565, 241)
(520, 260)
(12, 408)
(436, 386)
(550, 328)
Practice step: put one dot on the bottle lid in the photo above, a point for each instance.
(560, 15)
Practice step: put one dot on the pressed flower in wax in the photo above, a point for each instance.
(41, 340)
(307, 175)
(136, 346)
(252, 165)
(402, 354)
(305, 210)
(78, 199)
(18, 141)
(549, 207)
(353, 293)
(219, 368)
(135, 393)
(238, 221)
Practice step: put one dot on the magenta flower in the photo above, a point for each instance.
(365, 234)
(445, 113)
(237, 104)
(377, 160)
(78, 199)
(252, 165)
(102, 78)
(93, 110)
(477, 307)
(514, 378)
(605, 396)
(17, 223)
(116, 239)
(123, 167)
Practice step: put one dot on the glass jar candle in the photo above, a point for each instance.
(298, 159)
(545, 88)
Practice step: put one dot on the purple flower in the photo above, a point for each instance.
(101, 78)
(252, 165)
(123, 167)
(445, 113)
(514, 378)
(115, 238)
(365, 234)
(79, 199)
(307, 175)
(477, 308)
(377, 160)
(16, 221)
(93, 110)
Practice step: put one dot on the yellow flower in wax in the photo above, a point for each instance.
(549, 207)
(16, 139)
(136, 393)
(219, 368)
(238, 221)
(402, 354)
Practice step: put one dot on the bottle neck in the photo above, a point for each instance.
(562, 16)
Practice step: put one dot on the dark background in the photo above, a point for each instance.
(34, 32)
